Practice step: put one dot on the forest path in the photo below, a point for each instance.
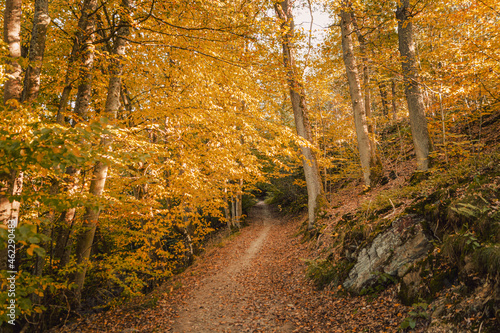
(230, 300)
(253, 281)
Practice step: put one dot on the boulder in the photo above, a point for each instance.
(391, 252)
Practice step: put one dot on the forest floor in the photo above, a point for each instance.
(253, 281)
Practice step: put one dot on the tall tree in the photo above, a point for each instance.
(11, 180)
(315, 194)
(82, 48)
(414, 97)
(91, 216)
(358, 103)
(41, 22)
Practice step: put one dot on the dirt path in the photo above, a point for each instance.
(222, 303)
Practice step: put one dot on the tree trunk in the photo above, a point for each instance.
(227, 214)
(88, 53)
(12, 37)
(91, 216)
(41, 21)
(383, 97)
(394, 105)
(233, 211)
(239, 205)
(227, 209)
(84, 38)
(85, 238)
(11, 184)
(315, 194)
(375, 162)
(82, 34)
(414, 98)
(357, 100)
(11, 181)
(63, 237)
(64, 224)
(366, 75)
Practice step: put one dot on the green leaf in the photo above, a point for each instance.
(39, 251)
(34, 240)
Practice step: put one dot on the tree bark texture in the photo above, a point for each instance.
(86, 236)
(315, 193)
(41, 21)
(12, 37)
(87, 12)
(357, 100)
(11, 181)
(414, 97)
(64, 224)
(366, 74)
(87, 60)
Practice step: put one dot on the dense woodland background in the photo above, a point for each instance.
(131, 131)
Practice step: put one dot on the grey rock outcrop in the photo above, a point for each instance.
(391, 252)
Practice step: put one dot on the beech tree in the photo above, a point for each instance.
(82, 53)
(98, 181)
(414, 97)
(298, 99)
(366, 149)
(11, 178)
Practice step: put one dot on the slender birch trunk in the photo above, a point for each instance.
(315, 192)
(227, 208)
(414, 97)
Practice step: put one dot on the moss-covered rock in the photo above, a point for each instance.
(392, 252)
